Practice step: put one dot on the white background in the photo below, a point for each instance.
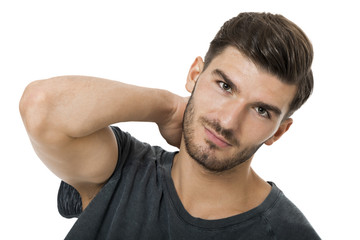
(153, 43)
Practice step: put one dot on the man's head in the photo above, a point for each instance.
(255, 75)
(274, 44)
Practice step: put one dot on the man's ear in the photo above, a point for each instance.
(194, 73)
(284, 126)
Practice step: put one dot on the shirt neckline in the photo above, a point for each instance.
(181, 212)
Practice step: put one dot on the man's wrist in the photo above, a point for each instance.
(168, 103)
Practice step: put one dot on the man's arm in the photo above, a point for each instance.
(67, 120)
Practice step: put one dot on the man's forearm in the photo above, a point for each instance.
(79, 105)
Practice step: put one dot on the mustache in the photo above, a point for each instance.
(228, 134)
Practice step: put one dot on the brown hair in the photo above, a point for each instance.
(273, 43)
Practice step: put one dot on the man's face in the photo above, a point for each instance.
(234, 108)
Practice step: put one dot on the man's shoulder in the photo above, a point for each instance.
(287, 221)
(128, 144)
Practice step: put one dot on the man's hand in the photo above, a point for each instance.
(171, 128)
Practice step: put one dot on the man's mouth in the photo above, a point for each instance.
(216, 138)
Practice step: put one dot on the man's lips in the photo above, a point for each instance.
(216, 139)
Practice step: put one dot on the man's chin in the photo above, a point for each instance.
(211, 161)
(218, 160)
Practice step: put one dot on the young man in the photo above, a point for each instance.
(256, 73)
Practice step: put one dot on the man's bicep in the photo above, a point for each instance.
(85, 163)
(92, 159)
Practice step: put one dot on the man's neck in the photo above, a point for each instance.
(210, 195)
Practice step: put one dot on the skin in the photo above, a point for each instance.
(221, 183)
(81, 149)
(67, 121)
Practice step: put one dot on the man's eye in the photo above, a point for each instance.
(225, 86)
(262, 112)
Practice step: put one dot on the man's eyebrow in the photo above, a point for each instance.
(228, 81)
(269, 107)
(219, 73)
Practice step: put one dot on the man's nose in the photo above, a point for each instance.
(232, 114)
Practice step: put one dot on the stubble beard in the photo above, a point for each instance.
(204, 155)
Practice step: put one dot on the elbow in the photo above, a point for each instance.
(33, 108)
